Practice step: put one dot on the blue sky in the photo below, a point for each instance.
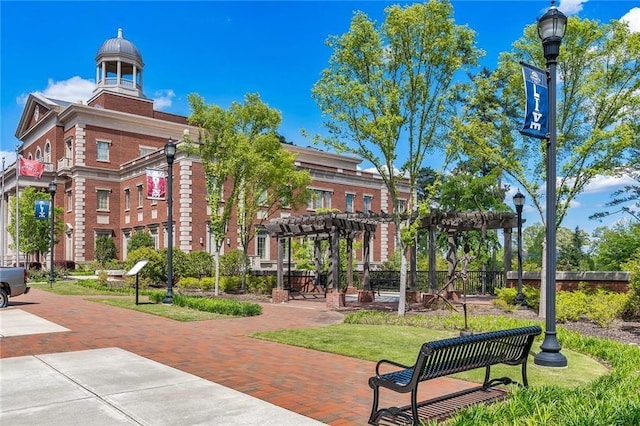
(223, 50)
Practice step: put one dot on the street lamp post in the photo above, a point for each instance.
(52, 191)
(170, 153)
(551, 27)
(518, 200)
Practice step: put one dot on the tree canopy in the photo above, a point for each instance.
(248, 170)
(391, 85)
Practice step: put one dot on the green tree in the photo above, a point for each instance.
(597, 112)
(390, 86)
(140, 239)
(35, 234)
(105, 250)
(616, 246)
(572, 256)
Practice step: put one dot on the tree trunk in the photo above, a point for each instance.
(542, 312)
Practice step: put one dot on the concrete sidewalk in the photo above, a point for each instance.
(112, 386)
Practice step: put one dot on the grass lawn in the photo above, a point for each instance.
(401, 344)
(69, 288)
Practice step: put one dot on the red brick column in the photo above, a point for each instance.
(335, 300)
(365, 296)
(411, 296)
(279, 296)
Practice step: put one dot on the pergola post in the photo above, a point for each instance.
(366, 254)
(433, 276)
(349, 262)
(279, 294)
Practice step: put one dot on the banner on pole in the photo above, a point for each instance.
(537, 102)
(156, 184)
(33, 168)
(42, 209)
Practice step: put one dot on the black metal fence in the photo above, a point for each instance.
(478, 282)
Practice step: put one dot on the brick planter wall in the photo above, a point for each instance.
(569, 281)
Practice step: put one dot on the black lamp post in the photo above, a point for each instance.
(170, 153)
(52, 191)
(551, 27)
(518, 200)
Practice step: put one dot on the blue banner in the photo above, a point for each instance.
(42, 209)
(537, 108)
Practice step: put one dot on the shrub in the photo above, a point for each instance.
(188, 283)
(139, 240)
(199, 264)
(219, 306)
(262, 284)
(631, 309)
(231, 263)
(207, 283)
(507, 296)
(153, 270)
(105, 250)
(230, 284)
(102, 278)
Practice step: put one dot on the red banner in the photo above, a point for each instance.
(33, 168)
(155, 184)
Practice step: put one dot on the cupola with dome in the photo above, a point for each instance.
(119, 67)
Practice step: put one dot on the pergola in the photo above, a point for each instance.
(334, 226)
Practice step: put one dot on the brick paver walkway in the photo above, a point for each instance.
(330, 388)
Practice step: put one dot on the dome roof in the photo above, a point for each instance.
(119, 46)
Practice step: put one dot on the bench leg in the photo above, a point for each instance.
(414, 407)
(374, 407)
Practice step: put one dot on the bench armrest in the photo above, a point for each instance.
(386, 361)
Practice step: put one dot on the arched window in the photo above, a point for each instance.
(38, 154)
(47, 152)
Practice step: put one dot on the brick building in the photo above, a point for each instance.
(98, 153)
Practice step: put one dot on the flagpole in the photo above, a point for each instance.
(17, 207)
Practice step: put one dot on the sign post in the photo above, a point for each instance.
(134, 271)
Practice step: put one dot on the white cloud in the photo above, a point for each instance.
(602, 183)
(9, 158)
(633, 18)
(571, 7)
(72, 90)
(162, 99)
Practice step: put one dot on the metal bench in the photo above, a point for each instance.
(449, 356)
(384, 283)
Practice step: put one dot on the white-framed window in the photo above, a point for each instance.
(154, 236)
(127, 199)
(147, 150)
(47, 152)
(319, 199)
(349, 208)
(401, 205)
(262, 245)
(140, 196)
(38, 154)
(126, 236)
(367, 200)
(103, 199)
(69, 196)
(103, 150)
(284, 243)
